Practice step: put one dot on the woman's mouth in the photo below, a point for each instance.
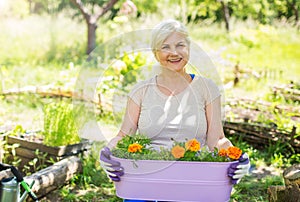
(175, 60)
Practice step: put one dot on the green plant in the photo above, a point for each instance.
(59, 124)
(10, 157)
(123, 73)
(139, 147)
(131, 72)
(17, 131)
(37, 163)
(254, 190)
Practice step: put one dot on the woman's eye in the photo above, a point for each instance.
(164, 47)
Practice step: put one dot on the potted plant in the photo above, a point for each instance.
(59, 138)
(184, 173)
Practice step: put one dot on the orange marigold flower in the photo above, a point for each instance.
(192, 145)
(178, 151)
(222, 152)
(135, 147)
(234, 152)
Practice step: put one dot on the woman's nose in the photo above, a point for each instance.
(173, 51)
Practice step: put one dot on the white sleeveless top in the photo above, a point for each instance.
(179, 117)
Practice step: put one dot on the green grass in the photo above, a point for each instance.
(38, 40)
(256, 48)
(22, 110)
(268, 48)
(251, 189)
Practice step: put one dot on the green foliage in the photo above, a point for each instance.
(121, 149)
(37, 163)
(118, 79)
(145, 6)
(279, 154)
(270, 115)
(17, 131)
(211, 157)
(92, 174)
(59, 125)
(131, 139)
(148, 153)
(263, 11)
(254, 189)
(133, 68)
(93, 180)
(10, 157)
(123, 73)
(206, 10)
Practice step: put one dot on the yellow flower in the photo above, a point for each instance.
(222, 152)
(234, 152)
(135, 147)
(192, 145)
(178, 151)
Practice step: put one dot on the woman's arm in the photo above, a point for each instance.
(130, 122)
(215, 133)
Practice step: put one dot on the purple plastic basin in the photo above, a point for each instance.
(174, 180)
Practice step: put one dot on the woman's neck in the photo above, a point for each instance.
(174, 76)
(170, 82)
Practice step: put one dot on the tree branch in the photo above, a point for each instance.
(105, 9)
(82, 9)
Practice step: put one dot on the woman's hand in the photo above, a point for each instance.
(238, 170)
(113, 168)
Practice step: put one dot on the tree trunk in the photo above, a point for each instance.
(291, 191)
(291, 175)
(92, 27)
(226, 15)
(91, 19)
(30, 6)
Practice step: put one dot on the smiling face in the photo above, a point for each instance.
(174, 52)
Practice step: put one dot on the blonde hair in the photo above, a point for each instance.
(164, 29)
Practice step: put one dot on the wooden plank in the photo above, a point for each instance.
(54, 176)
(32, 145)
(55, 151)
(25, 153)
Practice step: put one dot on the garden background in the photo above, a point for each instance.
(254, 45)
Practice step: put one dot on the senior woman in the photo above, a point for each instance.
(173, 105)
